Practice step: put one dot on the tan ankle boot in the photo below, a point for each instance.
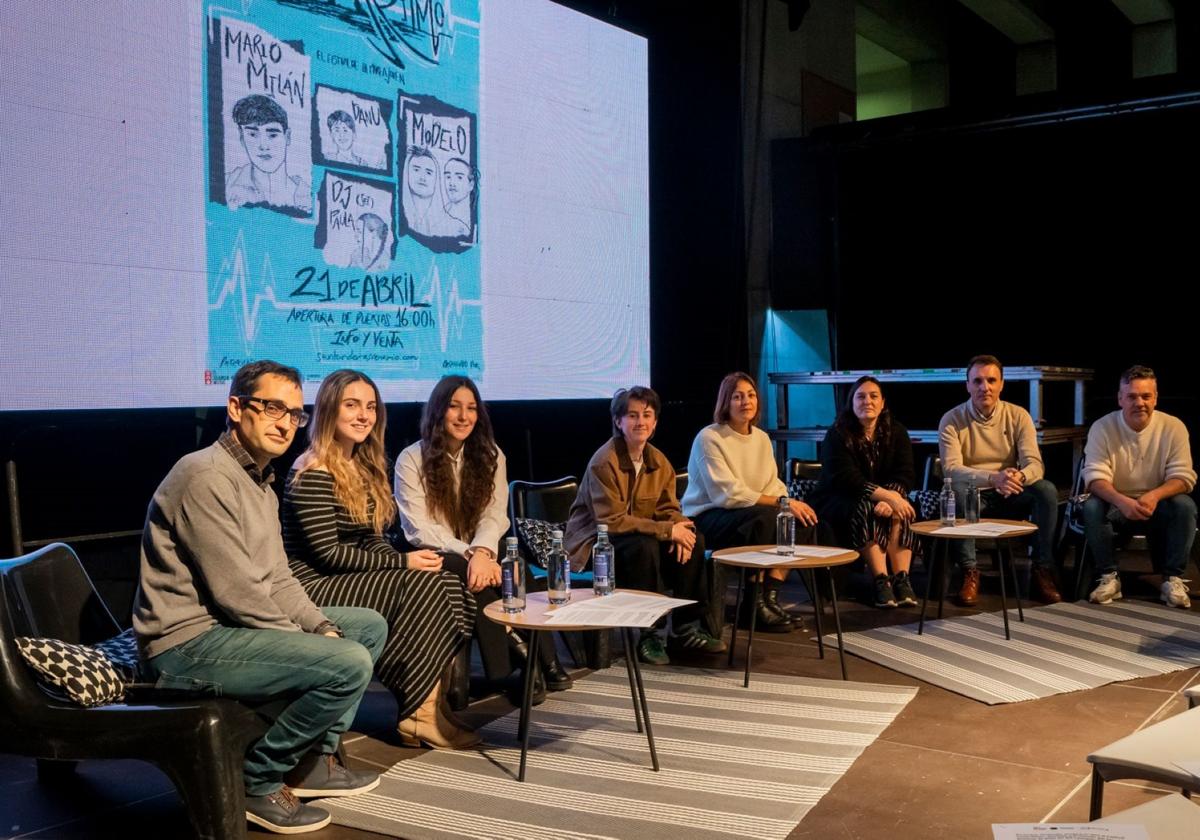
(450, 715)
(429, 726)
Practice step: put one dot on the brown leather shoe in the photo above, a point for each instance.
(968, 596)
(1042, 583)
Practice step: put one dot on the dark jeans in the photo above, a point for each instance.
(1170, 531)
(643, 562)
(754, 525)
(325, 676)
(1039, 499)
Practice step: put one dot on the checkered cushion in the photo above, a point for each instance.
(927, 504)
(122, 652)
(535, 533)
(925, 501)
(84, 673)
(801, 488)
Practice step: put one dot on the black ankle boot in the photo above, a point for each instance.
(771, 599)
(457, 683)
(556, 676)
(516, 688)
(768, 620)
(517, 649)
(516, 683)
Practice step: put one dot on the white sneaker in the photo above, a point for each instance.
(1175, 593)
(1109, 589)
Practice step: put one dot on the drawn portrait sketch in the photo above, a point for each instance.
(351, 130)
(439, 179)
(262, 127)
(259, 113)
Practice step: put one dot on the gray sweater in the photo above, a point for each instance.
(212, 554)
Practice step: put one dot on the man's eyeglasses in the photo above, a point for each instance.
(275, 410)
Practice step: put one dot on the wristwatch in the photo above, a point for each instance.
(783, 500)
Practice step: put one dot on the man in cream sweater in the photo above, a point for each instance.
(1138, 468)
(993, 445)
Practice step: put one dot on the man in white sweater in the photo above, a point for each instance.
(1138, 469)
(992, 445)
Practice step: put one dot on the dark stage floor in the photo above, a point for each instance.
(948, 767)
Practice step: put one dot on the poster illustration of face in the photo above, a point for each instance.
(328, 244)
(351, 130)
(439, 178)
(355, 230)
(258, 120)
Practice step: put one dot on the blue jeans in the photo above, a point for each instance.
(1170, 532)
(1039, 499)
(324, 676)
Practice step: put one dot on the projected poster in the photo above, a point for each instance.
(342, 173)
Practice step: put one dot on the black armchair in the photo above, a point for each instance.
(550, 501)
(198, 743)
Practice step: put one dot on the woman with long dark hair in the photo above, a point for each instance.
(452, 493)
(336, 507)
(866, 473)
(734, 490)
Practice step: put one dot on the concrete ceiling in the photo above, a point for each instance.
(1141, 12)
(1014, 18)
(914, 30)
(871, 58)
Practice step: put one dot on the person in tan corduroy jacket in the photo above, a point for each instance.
(629, 485)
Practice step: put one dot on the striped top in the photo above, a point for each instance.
(320, 537)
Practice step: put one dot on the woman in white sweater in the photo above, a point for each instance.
(734, 488)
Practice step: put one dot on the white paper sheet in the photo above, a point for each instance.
(1192, 765)
(983, 529)
(770, 558)
(759, 558)
(622, 609)
(1067, 831)
(821, 551)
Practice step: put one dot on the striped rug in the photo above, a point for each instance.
(735, 762)
(1059, 648)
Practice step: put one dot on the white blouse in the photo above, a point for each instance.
(425, 529)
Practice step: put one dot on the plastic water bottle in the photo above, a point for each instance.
(785, 529)
(946, 502)
(971, 503)
(558, 589)
(512, 578)
(603, 579)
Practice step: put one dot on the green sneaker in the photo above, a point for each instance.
(651, 651)
(694, 637)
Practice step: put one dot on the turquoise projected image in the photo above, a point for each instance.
(342, 211)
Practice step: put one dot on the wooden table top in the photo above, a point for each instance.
(794, 562)
(538, 608)
(927, 528)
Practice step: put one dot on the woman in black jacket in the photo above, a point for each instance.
(866, 473)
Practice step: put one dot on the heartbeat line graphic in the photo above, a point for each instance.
(449, 312)
(234, 281)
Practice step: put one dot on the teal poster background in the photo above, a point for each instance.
(342, 220)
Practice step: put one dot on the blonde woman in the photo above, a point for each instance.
(337, 504)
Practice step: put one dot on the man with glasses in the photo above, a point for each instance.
(218, 611)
